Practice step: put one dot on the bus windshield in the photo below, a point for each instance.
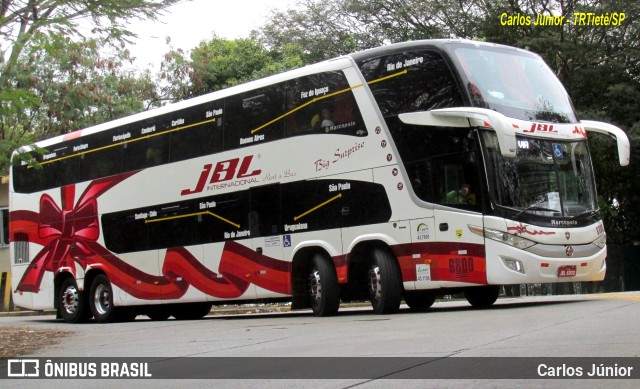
(547, 178)
(515, 83)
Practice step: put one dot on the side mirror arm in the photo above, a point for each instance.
(624, 147)
(468, 117)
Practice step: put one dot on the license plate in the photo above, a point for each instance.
(567, 271)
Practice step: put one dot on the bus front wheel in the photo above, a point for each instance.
(385, 282)
(191, 311)
(419, 300)
(482, 296)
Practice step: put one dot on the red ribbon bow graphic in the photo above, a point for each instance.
(70, 235)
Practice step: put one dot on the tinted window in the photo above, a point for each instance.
(262, 211)
(324, 204)
(264, 218)
(101, 157)
(146, 146)
(5, 227)
(25, 179)
(316, 104)
(322, 103)
(442, 163)
(254, 117)
(201, 132)
(411, 81)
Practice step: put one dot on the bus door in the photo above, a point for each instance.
(270, 273)
(457, 190)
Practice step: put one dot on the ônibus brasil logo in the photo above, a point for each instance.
(232, 172)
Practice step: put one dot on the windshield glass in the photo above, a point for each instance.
(515, 83)
(547, 178)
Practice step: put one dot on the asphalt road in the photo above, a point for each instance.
(552, 326)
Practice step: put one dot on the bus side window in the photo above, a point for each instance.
(254, 117)
(57, 168)
(102, 157)
(322, 103)
(124, 233)
(26, 179)
(264, 217)
(144, 150)
(456, 180)
(174, 227)
(224, 217)
(201, 133)
(425, 84)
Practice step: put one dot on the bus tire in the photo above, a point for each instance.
(385, 283)
(72, 303)
(482, 296)
(101, 300)
(158, 313)
(323, 288)
(191, 311)
(419, 300)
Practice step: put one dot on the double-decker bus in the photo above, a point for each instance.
(402, 172)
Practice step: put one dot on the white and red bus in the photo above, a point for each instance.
(402, 172)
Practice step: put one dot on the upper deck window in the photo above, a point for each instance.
(515, 83)
(411, 81)
(321, 103)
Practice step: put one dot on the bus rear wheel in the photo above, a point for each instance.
(385, 283)
(101, 300)
(482, 296)
(71, 302)
(322, 284)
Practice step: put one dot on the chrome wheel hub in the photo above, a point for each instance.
(70, 300)
(315, 286)
(101, 299)
(375, 285)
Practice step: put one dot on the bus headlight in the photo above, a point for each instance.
(503, 237)
(601, 241)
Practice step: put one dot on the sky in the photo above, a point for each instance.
(190, 22)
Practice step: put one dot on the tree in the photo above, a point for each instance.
(219, 63)
(70, 86)
(46, 65)
(326, 29)
(599, 65)
(21, 20)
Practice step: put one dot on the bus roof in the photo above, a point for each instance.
(334, 64)
(328, 65)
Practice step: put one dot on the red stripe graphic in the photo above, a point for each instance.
(69, 235)
(449, 261)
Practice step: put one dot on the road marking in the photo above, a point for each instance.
(632, 297)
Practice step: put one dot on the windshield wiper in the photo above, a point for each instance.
(587, 213)
(535, 207)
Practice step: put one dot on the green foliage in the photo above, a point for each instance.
(59, 86)
(220, 63)
(599, 65)
(53, 80)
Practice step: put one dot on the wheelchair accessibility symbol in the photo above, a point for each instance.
(286, 240)
(557, 150)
